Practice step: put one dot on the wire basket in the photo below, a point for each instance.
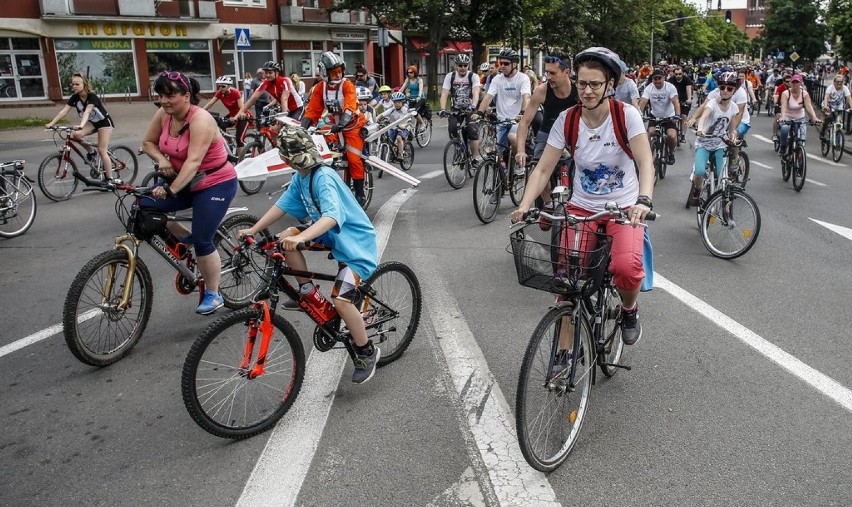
(546, 260)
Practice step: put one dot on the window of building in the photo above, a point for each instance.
(108, 64)
(192, 57)
(245, 3)
(302, 57)
(246, 60)
(352, 53)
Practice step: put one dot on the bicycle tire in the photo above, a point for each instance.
(800, 168)
(384, 154)
(423, 133)
(251, 150)
(56, 177)
(244, 273)
(745, 169)
(392, 289)
(517, 185)
(454, 164)
(613, 346)
(17, 206)
(368, 185)
(786, 169)
(547, 448)
(90, 309)
(487, 188)
(837, 146)
(824, 146)
(703, 198)
(731, 223)
(125, 165)
(406, 161)
(219, 395)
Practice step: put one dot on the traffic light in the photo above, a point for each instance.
(680, 20)
(728, 16)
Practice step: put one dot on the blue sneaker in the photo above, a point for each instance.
(212, 301)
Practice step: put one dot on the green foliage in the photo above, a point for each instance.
(794, 25)
(839, 17)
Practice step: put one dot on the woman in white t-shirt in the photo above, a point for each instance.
(604, 172)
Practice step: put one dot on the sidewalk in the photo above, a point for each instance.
(131, 120)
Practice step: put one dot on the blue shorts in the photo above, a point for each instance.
(503, 132)
(743, 129)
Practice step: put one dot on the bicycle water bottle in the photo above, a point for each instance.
(317, 305)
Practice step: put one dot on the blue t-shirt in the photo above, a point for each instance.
(353, 239)
(711, 84)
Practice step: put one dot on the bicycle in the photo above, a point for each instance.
(794, 161)
(337, 145)
(458, 163)
(491, 180)
(583, 329)
(58, 174)
(17, 201)
(659, 146)
(728, 218)
(109, 302)
(832, 138)
(265, 139)
(246, 369)
(423, 126)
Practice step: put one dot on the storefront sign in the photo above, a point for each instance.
(194, 45)
(137, 29)
(348, 36)
(92, 44)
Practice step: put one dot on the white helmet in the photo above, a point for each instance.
(364, 93)
(484, 66)
(224, 80)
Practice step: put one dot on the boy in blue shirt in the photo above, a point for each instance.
(338, 223)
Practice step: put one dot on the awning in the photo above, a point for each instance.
(450, 46)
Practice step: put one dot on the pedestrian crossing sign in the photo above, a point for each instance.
(243, 38)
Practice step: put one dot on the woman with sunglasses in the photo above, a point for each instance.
(185, 141)
(93, 118)
(794, 103)
(233, 102)
(604, 172)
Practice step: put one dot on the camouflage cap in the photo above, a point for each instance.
(297, 148)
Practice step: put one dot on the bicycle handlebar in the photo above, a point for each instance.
(616, 215)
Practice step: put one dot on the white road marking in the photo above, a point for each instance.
(42, 335)
(755, 162)
(816, 379)
(839, 229)
(815, 182)
(433, 174)
(810, 155)
(280, 471)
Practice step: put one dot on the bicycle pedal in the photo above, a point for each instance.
(622, 366)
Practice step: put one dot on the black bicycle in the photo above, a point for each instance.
(569, 256)
(495, 177)
(794, 160)
(458, 163)
(17, 201)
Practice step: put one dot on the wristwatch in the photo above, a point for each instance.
(645, 201)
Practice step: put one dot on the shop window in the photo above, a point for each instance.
(108, 64)
(192, 57)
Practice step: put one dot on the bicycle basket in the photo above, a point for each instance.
(545, 260)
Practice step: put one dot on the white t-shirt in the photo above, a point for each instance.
(717, 124)
(603, 171)
(661, 99)
(510, 94)
(461, 89)
(740, 97)
(627, 91)
(837, 98)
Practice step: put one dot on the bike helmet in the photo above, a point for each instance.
(509, 54)
(270, 65)
(728, 78)
(364, 93)
(610, 60)
(462, 59)
(224, 80)
(329, 61)
(297, 148)
(484, 67)
(385, 88)
(397, 96)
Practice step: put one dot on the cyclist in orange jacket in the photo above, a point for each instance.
(338, 96)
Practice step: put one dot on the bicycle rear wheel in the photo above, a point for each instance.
(391, 308)
(125, 165)
(800, 168)
(454, 164)
(17, 205)
(96, 330)
(251, 150)
(219, 391)
(786, 168)
(406, 160)
(837, 145)
(550, 410)
(56, 177)
(613, 346)
(517, 184)
(731, 223)
(825, 144)
(744, 170)
(244, 273)
(423, 133)
(486, 191)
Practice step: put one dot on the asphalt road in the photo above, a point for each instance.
(703, 418)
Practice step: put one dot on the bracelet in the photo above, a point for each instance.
(645, 201)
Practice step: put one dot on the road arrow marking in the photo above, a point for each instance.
(839, 229)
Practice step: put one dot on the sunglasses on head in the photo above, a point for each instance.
(555, 59)
(174, 75)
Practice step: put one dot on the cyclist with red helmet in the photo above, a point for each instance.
(282, 90)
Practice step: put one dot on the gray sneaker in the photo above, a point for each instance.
(365, 366)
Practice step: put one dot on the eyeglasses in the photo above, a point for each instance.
(223, 86)
(594, 85)
(174, 75)
(727, 88)
(504, 64)
(361, 75)
(678, 73)
(461, 65)
(555, 59)
(410, 72)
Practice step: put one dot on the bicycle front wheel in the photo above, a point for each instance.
(423, 133)
(454, 164)
(391, 308)
(244, 273)
(517, 184)
(730, 224)
(486, 191)
(98, 330)
(800, 168)
(552, 398)
(251, 150)
(221, 388)
(406, 160)
(17, 206)
(125, 165)
(837, 145)
(56, 177)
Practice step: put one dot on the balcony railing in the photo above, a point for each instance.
(294, 14)
(183, 9)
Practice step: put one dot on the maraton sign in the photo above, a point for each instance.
(137, 29)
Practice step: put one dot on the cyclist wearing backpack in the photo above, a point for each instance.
(608, 141)
(464, 86)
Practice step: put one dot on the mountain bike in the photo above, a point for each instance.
(458, 163)
(423, 125)
(794, 160)
(17, 201)
(728, 218)
(832, 138)
(110, 300)
(494, 177)
(57, 174)
(568, 257)
(659, 146)
(246, 369)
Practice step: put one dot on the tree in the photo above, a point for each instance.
(839, 17)
(793, 25)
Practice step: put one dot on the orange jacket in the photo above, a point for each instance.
(316, 104)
